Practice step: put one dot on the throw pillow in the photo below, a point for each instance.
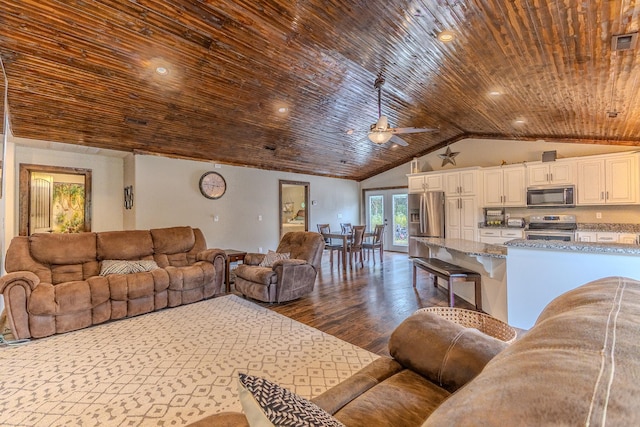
(267, 404)
(272, 257)
(117, 266)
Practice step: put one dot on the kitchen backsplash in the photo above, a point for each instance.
(585, 214)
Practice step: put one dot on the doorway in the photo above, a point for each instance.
(389, 207)
(294, 206)
(54, 199)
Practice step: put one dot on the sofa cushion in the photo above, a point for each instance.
(454, 356)
(172, 240)
(267, 404)
(252, 273)
(577, 366)
(129, 244)
(76, 248)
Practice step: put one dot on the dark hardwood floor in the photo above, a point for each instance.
(364, 305)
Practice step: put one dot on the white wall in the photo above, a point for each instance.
(166, 194)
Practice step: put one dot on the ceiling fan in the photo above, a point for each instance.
(380, 132)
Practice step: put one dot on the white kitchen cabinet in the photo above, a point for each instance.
(628, 238)
(552, 173)
(425, 182)
(608, 180)
(499, 236)
(461, 217)
(586, 236)
(607, 237)
(504, 186)
(461, 183)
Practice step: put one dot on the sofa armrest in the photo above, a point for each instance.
(211, 255)
(16, 289)
(341, 394)
(442, 351)
(289, 262)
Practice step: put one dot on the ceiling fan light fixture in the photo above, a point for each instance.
(380, 137)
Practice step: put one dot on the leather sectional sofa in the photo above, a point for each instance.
(54, 282)
(578, 365)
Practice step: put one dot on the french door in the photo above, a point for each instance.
(389, 207)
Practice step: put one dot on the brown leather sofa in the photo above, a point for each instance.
(285, 279)
(54, 284)
(578, 365)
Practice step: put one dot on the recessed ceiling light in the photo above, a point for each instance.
(162, 71)
(495, 93)
(446, 36)
(350, 132)
(283, 110)
(519, 122)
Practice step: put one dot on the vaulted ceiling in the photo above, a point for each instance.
(288, 85)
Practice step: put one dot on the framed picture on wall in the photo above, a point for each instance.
(287, 207)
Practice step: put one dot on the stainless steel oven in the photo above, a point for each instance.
(551, 227)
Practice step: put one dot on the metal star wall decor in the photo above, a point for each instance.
(448, 156)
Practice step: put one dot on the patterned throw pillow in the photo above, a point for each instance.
(267, 404)
(117, 266)
(272, 257)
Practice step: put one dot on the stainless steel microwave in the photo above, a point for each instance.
(551, 196)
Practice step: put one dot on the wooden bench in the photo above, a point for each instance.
(449, 272)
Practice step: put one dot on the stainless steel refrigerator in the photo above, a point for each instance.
(426, 218)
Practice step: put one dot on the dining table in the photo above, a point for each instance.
(346, 237)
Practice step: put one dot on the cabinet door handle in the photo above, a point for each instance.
(606, 195)
(551, 177)
(602, 195)
(548, 177)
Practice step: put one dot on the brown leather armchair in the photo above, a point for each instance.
(285, 279)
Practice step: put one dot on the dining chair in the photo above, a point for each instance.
(355, 246)
(346, 228)
(325, 229)
(375, 243)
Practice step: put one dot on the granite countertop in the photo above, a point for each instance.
(604, 227)
(587, 247)
(466, 247)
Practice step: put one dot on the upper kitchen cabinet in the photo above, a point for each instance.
(504, 186)
(461, 183)
(608, 180)
(560, 172)
(425, 182)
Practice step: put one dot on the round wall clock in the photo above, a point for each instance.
(212, 185)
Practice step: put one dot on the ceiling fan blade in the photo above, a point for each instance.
(413, 130)
(381, 124)
(397, 140)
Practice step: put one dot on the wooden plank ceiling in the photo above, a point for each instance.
(277, 84)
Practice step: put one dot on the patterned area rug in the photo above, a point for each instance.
(165, 368)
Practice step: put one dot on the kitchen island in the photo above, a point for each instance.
(486, 259)
(539, 270)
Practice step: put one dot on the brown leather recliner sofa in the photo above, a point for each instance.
(578, 365)
(54, 284)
